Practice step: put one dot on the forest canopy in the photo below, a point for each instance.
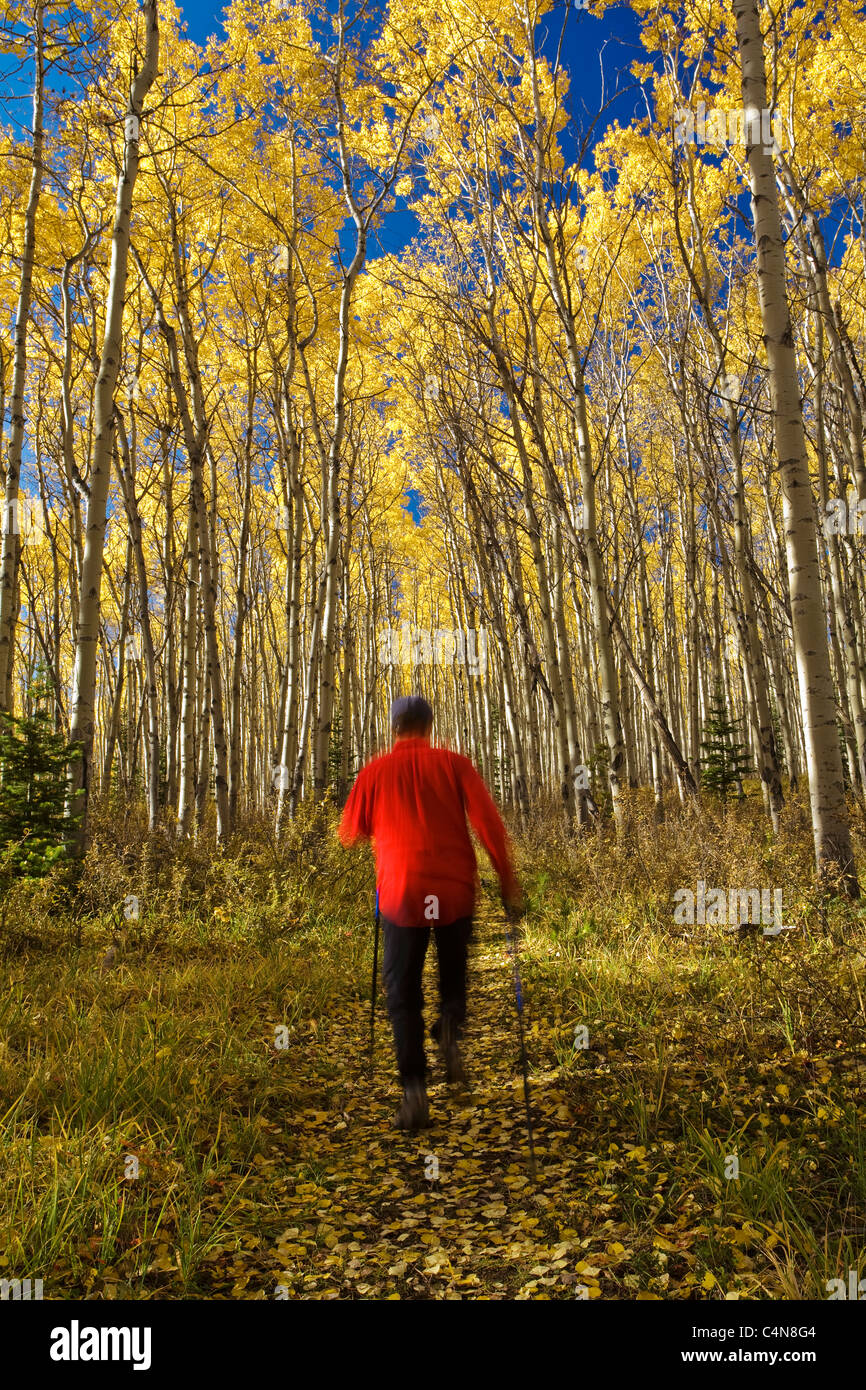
(350, 353)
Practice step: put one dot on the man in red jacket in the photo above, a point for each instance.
(413, 803)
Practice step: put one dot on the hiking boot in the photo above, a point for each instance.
(414, 1111)
(449, 1050)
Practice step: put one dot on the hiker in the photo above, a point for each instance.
(414, 802)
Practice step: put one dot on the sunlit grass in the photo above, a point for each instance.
(702, 1045)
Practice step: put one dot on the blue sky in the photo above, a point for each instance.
(597, 53)
(613, 40)
(587, 33)
(592, 47)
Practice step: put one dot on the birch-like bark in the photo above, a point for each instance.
(126, 473)
(195, 428)
(833, 852)
(87, 635)
(242, 599)
(10, 554)
(188, 711)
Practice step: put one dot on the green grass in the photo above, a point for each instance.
(702, 1045)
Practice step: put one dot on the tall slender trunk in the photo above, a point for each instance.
(188, 712)
(126, 473)
(242, 605)
(833, 852)
(195, 431)
(10, 555)
(87, 636)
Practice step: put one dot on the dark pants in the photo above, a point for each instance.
(403, 968)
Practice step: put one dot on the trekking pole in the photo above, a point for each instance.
(373, 986)
(519, 997)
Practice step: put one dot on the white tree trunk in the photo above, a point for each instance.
(833, 853)
(11, 550)
(87, 635)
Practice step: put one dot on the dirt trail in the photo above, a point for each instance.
(452, 1211)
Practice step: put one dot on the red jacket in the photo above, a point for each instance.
(413, 802)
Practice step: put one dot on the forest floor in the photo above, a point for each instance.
(197, 1120)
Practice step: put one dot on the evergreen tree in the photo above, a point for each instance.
(724, 759)
(35, 831)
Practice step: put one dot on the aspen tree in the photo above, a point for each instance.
(833, 851)
(11, 537)
(82, 722)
